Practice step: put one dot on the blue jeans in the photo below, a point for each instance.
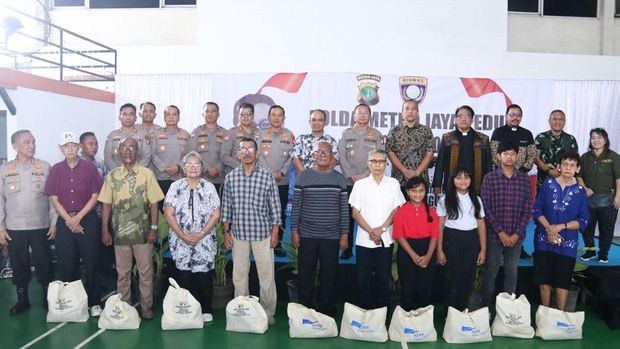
(495, 252)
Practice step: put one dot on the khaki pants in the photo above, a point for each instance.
(263, 256)
(124, 263)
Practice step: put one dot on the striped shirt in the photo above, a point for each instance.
(251, 203)
(507, 203)
(320, 205)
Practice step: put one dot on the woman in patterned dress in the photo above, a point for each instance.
(192, 208)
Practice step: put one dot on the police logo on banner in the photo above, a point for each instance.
(368, 89)
(413, 88)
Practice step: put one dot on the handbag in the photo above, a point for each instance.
(309, 323)
(553, 324)
(67, 302)
(118, 315)
(181, 310)
(412, 326)
(245, 314)
(363, 325)
(512, 317)
(467, 327)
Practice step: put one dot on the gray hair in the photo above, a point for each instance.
(192, 153)
(381, 152)
(317, 143)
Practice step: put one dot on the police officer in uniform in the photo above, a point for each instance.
(148, 128)
(127, 117)
(353, 148)
(27, 219)
(275, 144)
(168, 147)
(207, 140)
(245, 129)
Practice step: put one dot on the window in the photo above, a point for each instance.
(179, 2)
(617, 8)
(123, 3)
(530, 6)
(69, 3)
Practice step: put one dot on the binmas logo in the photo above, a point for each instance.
(368, 89)
(413, 88)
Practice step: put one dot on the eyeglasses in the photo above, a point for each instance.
(515, 115)
(323, 152)
(247, 150)
(192, 166)
(246, 114)
(127, 148)
(377, 162)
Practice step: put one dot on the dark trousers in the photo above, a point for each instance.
(70, 247)
(461, 249)
(351, 220)
(378, 261)
(165, 186)
(606, 219)
(325, 251)
(200, 285)
(415, 282)
(21, 241)
(283, 193)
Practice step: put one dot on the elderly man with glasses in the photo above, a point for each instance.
(251, 215)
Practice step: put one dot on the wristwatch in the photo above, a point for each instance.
(383, 229)
(154, 227)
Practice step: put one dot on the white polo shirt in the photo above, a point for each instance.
(375, 203)
(466, 219)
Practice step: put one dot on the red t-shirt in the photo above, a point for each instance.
(411, 222)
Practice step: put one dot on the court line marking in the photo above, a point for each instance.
(94, 335)
(57, 327)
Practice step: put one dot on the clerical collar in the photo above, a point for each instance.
(514, 129)
(464, 133)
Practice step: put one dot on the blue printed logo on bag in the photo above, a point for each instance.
(473, 330)
(315, 325)
(414, 333)
(361, 327)
(563, 325)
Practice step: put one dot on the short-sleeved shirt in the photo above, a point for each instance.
(228, 152)
(466, 219)
(375, 203)
(148, 133)
(74, 187)
(411, 222)
(251, 203)
(304, 148)
(130, 192)
(275, 151)
(599, 173)
(410, 144)
(193, 209)
(208, 143)
(354, 146)
(23, 205)
(168, 147)
(551, 148)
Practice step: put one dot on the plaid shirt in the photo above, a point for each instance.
(507, 203)
(251, 203)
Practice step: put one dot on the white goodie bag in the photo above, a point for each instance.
(466, 327)
(363, 325)
(118, 315)
(181, 310)
(556, 324)
(67, 302)
(413, 326)
(309, 323)
(512, 317)
(245, 314)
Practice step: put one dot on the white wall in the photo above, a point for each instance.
(47, 115)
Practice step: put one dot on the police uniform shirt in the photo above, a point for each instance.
(354, 147)
(208, 143)
(23, 205)
(168, 146)
(228, 153)
(110, 150)
(148, 133)
(274, 151)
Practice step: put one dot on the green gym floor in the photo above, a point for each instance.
(29, 330)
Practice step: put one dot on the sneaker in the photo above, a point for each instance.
(588, 255)
(271, 320)
(206, 317)
(95, 311)
(603, 260)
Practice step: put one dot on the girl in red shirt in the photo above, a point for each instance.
(416, 227)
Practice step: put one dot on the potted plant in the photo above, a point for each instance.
(293, 265)
(222, 289)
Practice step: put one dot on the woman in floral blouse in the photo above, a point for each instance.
(192, 208)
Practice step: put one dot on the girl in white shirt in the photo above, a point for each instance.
(461, 245)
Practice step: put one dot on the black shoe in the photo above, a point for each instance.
(588, 255)
(346, 254)
(19, 308)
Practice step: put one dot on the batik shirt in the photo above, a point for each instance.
(304, 148)
(410, 144)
